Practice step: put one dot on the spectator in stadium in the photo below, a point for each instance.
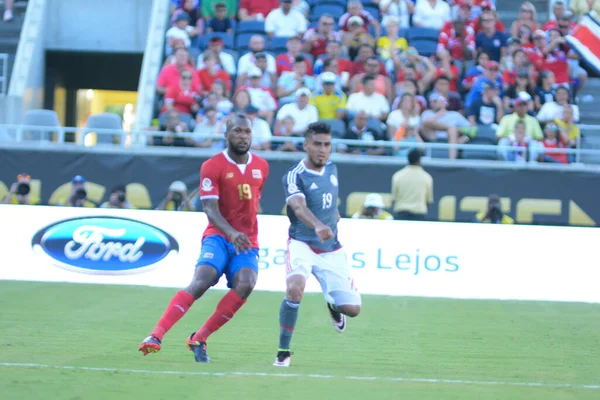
(401, 9)
(527, 36)
(241, 100)
(8, 13)
(210, 101)
(356, 36)
(411, 65)
(117, 198)
(332, 67)
(225, 60)
(285, 62)
(78, 197)
(527, 16)
(332, 52)
(493, 214)
(268, 79)
(180, 33)
(521, 106)
(169, 74)
(374, 104)
(404, 122)
(383, 84)
(261, 131)
(569, 131)
(285, 21)
(490, 74)
(209, 125)
(329, 101)
(286, 129)
(544, 92)
(554, 109)
(486, 9)
(316, 39)
(556, 58)
(439, 123)
(256, 10)
(554, 140)
(209, 7)
(489, 39)
(359, 64)
(300, 110)
(262, 98)
(445, 68)
(212, 72)
(220, 22)
(576, 72)
(20, 192)
(441, 86)
(412, 190)
(173, 127)
(515, 147)
(522, 83)
(176, 198)
(302, 6)
(391, 42)
(182, 96)
(431, 14)
(488, 110)
(459, 41)
(359, 130)
(191, 7)
(224, 106)
(289, 82)
(373, 208)
(355, 9)
(519, 62)
(559, 10)
(247, 61)
(410, 86)
(476, 71)
(507, 62)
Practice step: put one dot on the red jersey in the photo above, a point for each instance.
(206, 79)
(238, 188)
(285, 62)
(182, 100)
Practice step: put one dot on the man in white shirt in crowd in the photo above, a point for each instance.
(256, 45)
(302, 113)
(374, 104)
(431, 14)
(554, 109)
(261, 131)
(285, 21)
(439, 123)
(226, 60)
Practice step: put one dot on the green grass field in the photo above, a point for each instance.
(484, 349)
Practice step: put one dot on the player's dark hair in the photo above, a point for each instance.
(236, 117)
(317, 128)
(414, 157)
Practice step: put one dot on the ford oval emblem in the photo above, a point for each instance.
(104, 245)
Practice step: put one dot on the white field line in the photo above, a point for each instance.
(312, 376)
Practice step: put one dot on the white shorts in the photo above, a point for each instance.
(331, 270)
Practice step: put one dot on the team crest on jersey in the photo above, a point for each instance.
(333, 180)
(292, 188)
(229, 175)
(207, 185)
(256, 174)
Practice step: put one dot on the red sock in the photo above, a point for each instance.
(226, 308)
(179, 305)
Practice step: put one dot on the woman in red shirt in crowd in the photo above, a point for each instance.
(556, 58)
(182, 96)
(554, 139)
(212, 72)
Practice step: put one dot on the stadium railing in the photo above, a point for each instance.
(3, 74)
(17, 134)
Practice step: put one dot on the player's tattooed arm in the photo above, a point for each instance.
(303, 213)
(239, 239)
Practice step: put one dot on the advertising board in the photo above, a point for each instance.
(397, 258)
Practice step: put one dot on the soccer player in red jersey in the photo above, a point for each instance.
(230, 186)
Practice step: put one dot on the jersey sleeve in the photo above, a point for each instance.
(209, 181)
(293, 185)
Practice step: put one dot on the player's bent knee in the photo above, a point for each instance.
(295, 288)
(350, 310)
(244, 289)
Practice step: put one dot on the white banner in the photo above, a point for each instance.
(159, 248)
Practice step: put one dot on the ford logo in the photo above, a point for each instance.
(104, 245)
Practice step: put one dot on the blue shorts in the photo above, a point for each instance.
(219, 253)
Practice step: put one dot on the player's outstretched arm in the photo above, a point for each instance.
(303, 213)
(239, 240)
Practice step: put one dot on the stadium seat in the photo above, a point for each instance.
(478, 154)
(417, 32)
(104, 121)
(338, 127)
(41, 118)
(251, 27)
(335, 10)
(183, 117)
(278, 43)
(486, 134)
(242, 41)
(425, 48)
(225, 37)
(374, 124)
(373, 10)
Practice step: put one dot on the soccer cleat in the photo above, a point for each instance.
(150, 345)
(283, 358)
(338, 319)
(199, 349)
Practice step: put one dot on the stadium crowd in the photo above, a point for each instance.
(382, 70)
